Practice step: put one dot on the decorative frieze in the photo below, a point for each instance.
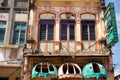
(81, 9)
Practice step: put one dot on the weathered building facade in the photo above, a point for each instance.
(67, 40)
(56, 40)
(13, 28)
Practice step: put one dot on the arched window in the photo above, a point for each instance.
(88, 26)
(88, 16)
(67, 16)
(47, 21)
(67, 26)
(47, 16)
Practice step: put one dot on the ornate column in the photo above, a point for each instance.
(25, 71)
(78, 33)
(57, 33)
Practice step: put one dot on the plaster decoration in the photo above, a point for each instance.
(40, 8)
(86, 8)
(20, 53)
(88, 16)
(42, 47)
(7, 53)
(57, 9)
(73, 9)
(50, 47)
(71, 46)
(64, 46)
(89, 8)
(67, 7)
(85, 46)
(77, 9)
(92, 45)
(13, 54)
(94, 9)
(67, 16)
(62, 9)
(47, 16)
(47, 7)
(2, 54)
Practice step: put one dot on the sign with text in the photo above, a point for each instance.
(110, 25)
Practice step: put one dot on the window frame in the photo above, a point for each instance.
(20, 30)
(3, 28)
(46, 33)
(88, 30)
(68, 29)
(68, 16)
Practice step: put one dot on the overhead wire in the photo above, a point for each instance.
(16, 69)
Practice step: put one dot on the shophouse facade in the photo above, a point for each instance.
(13, 28)
(68, 39)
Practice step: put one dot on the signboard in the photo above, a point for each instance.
(110, 25)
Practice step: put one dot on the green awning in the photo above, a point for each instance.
(94, 70)
(44, 69)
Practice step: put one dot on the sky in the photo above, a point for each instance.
(116, 48)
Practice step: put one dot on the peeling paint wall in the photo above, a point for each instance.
(10, 56)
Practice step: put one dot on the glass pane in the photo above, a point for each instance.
(50, 32)
(63, 32)
(20, 25)
(72, 32)
(22, 37)
(2, 24)
(23, 26)
(67, 21)
(15, 37)
(92, 36)
(88, 25)
(47, 21)
(84, 32)
(19, 33)
(92, 32)
(88, 22)
(85, 36)
(17, 26)
(42, 32)
(2, 33)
